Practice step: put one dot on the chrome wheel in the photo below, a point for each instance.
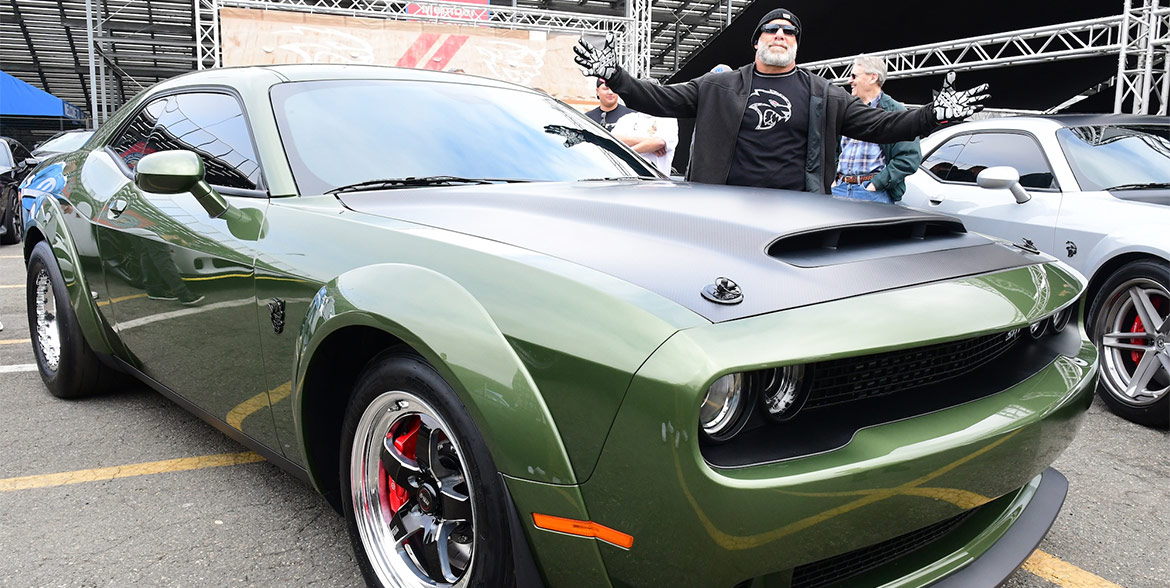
(47, 332)
(1133, 329)
(411, 497)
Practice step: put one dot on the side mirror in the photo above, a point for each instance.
(1003, 178)
(175, 172)
(31, 162)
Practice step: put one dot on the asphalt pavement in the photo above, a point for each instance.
(250, 524)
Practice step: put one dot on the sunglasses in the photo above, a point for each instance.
(853, 76)
(774, 28)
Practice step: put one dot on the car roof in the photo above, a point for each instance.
(1050, 123)
(300, 72)
(1082, 120)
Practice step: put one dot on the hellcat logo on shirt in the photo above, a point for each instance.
(771, 111)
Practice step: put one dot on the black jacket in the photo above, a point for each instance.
(717, 102)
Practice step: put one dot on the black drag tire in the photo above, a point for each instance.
(11, 219)
(69, 368)
(1123, 358)
(454, 487)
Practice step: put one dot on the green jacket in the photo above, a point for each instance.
(902, 158)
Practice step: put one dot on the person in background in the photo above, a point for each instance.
(654, 138)
(869, 171)
(752, 124)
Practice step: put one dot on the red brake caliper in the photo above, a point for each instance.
(405, 444)
(1138, 327)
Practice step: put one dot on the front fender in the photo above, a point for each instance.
(443, 322)
(1114, 246)
(47, 223)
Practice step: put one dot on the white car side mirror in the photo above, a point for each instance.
(1003, 178)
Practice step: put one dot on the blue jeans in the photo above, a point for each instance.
(858, 192)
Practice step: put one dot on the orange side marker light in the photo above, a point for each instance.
(582, 529)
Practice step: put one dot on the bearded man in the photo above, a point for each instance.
(770, 123)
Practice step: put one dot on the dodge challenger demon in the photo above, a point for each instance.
(511, 353)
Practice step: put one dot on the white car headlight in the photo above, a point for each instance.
(724, 408)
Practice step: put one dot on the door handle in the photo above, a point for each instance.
(117, 208)
(937, 199)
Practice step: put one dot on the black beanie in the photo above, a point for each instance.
(773, 15)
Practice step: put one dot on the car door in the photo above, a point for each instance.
(949, 186)
(181, 283)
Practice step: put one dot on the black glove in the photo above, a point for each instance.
(950, 105)
(598, 63)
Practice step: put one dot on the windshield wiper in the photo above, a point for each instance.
(616, 178)
(416, 181)
(1144, 186)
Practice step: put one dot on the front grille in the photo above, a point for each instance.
(855, 378)
(841, 567)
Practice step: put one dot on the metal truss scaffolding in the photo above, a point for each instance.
(1143, 65)
(1140, 37)
(623, 28)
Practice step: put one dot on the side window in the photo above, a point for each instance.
(213, 126)
(131, 144)
(20, 153)
(986, 150)
(943, 159)
(5, 155)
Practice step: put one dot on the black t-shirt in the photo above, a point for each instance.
(608, 119)
(772, 145)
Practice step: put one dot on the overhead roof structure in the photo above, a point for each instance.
(140, 42)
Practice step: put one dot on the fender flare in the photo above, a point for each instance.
(46, 222)
(444, 323)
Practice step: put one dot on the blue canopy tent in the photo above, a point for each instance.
(18, 98)
(31, 115)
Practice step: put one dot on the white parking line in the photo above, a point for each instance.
(13, 369)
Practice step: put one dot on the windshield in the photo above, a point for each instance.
(64, 143)
(341, 132)
(1105, 156)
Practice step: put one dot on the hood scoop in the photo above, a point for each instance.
(867, 241)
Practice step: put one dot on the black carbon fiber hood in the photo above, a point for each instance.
(783, 249)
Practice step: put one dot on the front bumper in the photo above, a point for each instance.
(1044, 496)
(696, 524)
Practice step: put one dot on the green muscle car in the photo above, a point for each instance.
(511, 353)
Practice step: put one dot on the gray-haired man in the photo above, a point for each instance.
(872, 171)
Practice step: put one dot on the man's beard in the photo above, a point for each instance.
(776, 60)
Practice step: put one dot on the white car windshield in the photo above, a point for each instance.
(1118, 157)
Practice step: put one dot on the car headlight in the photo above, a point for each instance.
(724, 409)
(783, 391)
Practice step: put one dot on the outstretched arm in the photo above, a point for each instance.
(878, 126)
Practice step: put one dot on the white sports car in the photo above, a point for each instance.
(1093, 190)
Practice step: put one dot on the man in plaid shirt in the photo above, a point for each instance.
(869, 171)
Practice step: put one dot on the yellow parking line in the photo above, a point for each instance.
(1062, 573)
(127, 471)
(11, 257)
(14, 341)
(11, 285)
(243, 410)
